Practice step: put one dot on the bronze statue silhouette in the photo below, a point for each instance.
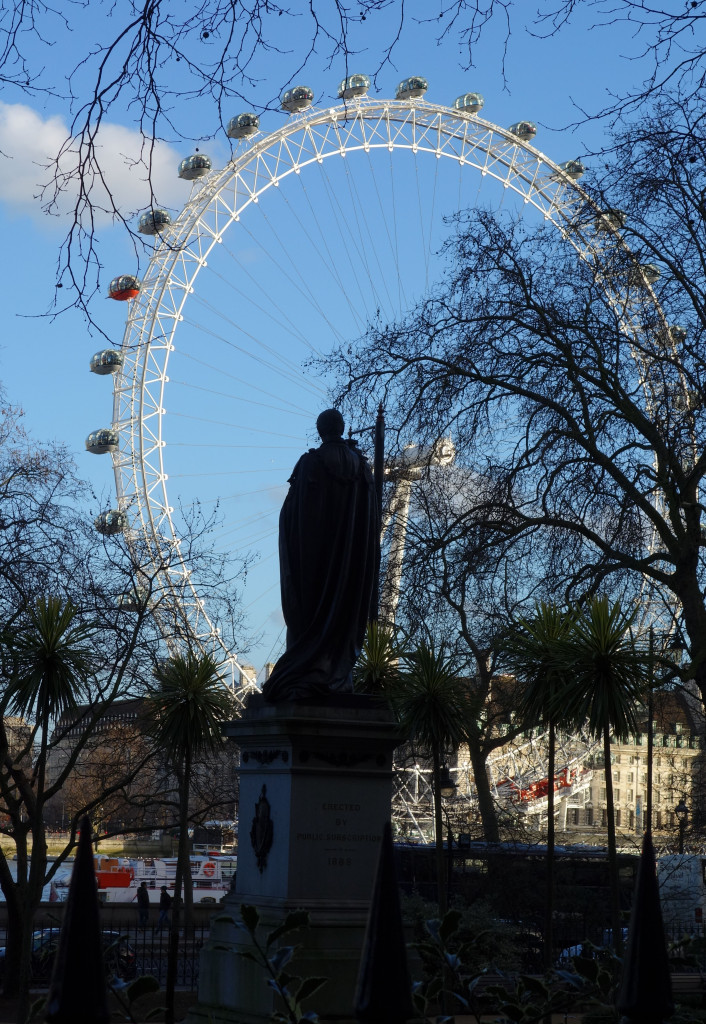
(328, 536)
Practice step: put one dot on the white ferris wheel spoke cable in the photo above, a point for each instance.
(350, 244)
(285, 323)
(187, 385)
(330, 263)
(237, 426)
(215, 499)
(299, 281)
(400, 283)
(353, 250)
(231, 472)
(426, 239)
(293, 376)
(240, 399)
(284, 405)
(294, 368)
(385, 221)
(295, 279)
(366, 242)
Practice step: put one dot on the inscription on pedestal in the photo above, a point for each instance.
(343, 834)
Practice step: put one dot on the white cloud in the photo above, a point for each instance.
(30, 143)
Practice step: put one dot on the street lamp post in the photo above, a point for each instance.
(447, 790)
(682, 813)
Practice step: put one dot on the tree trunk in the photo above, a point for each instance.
(441, 893)
(486, 805)
(13, 952)
(188, 890)
(549, 906)
(612, 847)
(182, 860)
(30, 901)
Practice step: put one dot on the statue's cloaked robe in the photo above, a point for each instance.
(328, 532)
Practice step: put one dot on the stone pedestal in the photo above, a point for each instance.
(315, 791)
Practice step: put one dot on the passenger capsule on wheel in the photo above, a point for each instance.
(354, 85)
(243, 125)
(469, 102)
(99, 442)
(411, 88)
(108, 360)
(573, 169)
(111, 522)
(671, 338)
(153, 221)
(124, 287)
(610, 219)
(645, 273)
(195, 166)
(297, 98)
(524, 130)
(132, 601)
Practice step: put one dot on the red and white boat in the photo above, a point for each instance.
(119, 877)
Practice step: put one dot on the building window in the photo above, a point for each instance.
(631, 796)
(589, 815)
(617, 817)
(631, 819)
(659, 819)
(617, 795)
(604, 817)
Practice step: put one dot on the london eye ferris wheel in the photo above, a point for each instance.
(308, 235)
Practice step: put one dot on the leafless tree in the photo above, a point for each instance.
(48, 547)
(151, 61)
(457, 593)
(590, 426)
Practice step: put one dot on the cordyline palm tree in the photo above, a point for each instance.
(186, 709)
(378, 665)
(432, 705)
(607, 676)
(534, 647)
(51, 662)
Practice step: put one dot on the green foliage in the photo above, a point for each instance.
(533, 647)
(291, 989)
(431, 700)
(487, 939)
(378, 664)
(188, 705)
(589, 988)
(51, 659)
(608, 673)
(580, 666)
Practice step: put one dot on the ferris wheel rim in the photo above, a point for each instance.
(183, 250)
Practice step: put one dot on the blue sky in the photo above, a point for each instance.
(44, 360)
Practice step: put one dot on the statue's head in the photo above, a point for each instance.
(330, 425)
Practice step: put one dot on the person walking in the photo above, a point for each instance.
(143, 906)
(165, 905)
